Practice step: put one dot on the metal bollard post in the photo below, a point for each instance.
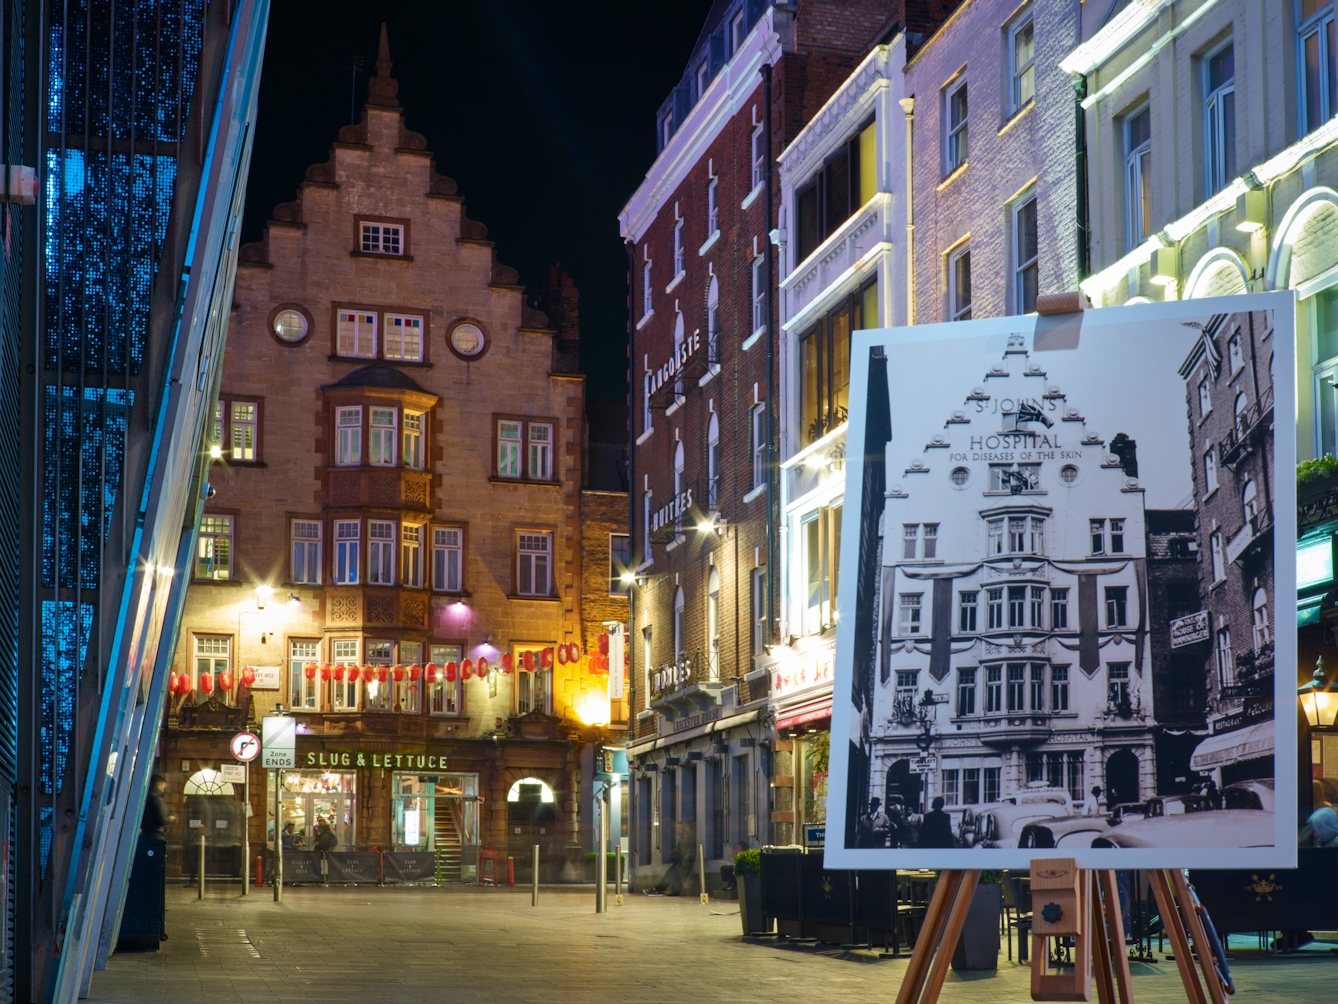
(510, 870)
(602, 861)
(201, 891)
(701, 871)
(534, 878)
(618, 873)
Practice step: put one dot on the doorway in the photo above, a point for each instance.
(1122, 778)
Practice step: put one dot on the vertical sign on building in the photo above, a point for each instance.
(617, 641)
(278, 742)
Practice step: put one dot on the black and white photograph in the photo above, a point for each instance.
(1062, 629)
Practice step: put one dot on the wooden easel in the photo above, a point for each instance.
(1068, 901)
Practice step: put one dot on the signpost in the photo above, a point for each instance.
(279, 750)
(245, 746)
(924, 765)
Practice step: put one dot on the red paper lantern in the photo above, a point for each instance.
(382, 674)
(573, 652)
(326, 671)
(398, 674)
(310, 671)
(482, 668)
(527, 660)
(415, 671)
(339, 674)
(172, 683)
(562, 654)
(603, 644)
(466, 669)
(547, 658)
(225, 680)
(368, 673)
(206, 683)
(508, 663)
(430, 672)
(450, 672)
(248, 675)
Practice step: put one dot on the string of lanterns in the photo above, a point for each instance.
(568, 654)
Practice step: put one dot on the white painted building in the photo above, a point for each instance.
(1012, 631)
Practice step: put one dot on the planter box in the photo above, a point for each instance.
(978, 947)
(750, 904)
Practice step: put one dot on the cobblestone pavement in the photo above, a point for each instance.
(487, 945)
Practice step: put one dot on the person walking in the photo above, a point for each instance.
(1091, 805)
(936, 827)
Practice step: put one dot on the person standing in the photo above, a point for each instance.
(936, 827)
(156, 818)
(1091, 805)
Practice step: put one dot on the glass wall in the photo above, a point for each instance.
(316, 810)
(438, 813)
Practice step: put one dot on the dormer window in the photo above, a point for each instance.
(382, 238)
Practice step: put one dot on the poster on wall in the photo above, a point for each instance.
(1070, 580)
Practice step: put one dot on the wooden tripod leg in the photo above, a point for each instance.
(966, 892)
(1115, 928)
(1199, 936)
(944, 895)
(1101, 938)
(1175, 930)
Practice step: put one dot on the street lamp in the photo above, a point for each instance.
(1319, 698)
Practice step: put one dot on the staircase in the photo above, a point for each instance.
(446, 839)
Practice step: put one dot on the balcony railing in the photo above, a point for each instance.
(1250, 537)
(1239, 440)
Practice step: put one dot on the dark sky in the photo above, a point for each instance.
(542, 111)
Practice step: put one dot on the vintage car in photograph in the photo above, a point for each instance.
(1067, 831)
(1000, 824)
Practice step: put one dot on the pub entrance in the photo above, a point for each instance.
(438, 813)
(313, 801)
(531, 818)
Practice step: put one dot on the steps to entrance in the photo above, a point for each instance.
(446, 839)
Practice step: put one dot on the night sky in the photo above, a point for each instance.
(544, 112)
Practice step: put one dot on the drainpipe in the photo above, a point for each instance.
(773, 558)
(1080, 132)
(633, 588)
(908, 106)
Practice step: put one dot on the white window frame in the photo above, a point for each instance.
(759, 293)
(1210, 480)
(345, 694)
(616, 585)
(445, 698)
(448, 549)
(539, 451)
(737, 32)
(1022, 76)
(959, 258)
(759, 610)
(1235, 353)
(382, 436)
(713, 463)
(713, 207)
(413, 439)
(647, 301)
(956, 142)
(679, 256)
(910, 607)
(244, 419)
(713, 625)
(378, 696)
(348, 436)
(214, 527)
(1317, 27)
(411, 554)
(534, 563)
(402, 337)
(758, 139)
(381, 541)
(213, 655)
(703, 78)
(1217, 158)
(376, 237)
(509, 448)
(306, 551)
(356, 334)
(1218, 555)
(758, 430)
(1022, 266)
(303, 694)
(1134, 195)
(347, 552)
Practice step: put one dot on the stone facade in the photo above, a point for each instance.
(378, 536)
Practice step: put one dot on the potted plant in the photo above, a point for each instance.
(978, 948)
(748, 875)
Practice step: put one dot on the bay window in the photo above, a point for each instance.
(381, 437)
(413, 441)
(303, 691)
(820, 546)
(846, 182)
(411, 555)
(380, 552)
(348, 436)
(344, 689)
(347, 541)
(448, 559)
(443, 696)
(824, 364)
(379, 693)
(306, 552)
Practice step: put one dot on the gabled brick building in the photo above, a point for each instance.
(393, 552)
(703, 319)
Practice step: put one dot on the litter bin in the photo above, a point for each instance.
(144, 916)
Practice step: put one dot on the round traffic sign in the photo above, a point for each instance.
(245, 746)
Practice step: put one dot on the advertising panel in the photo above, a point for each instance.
(1067, 573)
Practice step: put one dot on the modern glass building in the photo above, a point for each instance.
(115, 289)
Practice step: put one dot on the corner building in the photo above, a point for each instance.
(393, 549)
(701, 231)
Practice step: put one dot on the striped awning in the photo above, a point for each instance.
(1249, 743)
(802, 714)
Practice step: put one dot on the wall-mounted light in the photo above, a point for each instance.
(263, 593)
(1165, 266)
(1319, 698)
(293, 600)
(1251, 210)
(216, 451)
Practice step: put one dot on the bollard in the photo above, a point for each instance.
(534, 878)
(618, 873)
(701, 871)
(201, 893)
(510, 870)
(260, 870)
(601, 862)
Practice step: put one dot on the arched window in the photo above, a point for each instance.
(678, 482)
(678, 624)
(1250, 499)
(713, 463)
(713, 622)
(206, 782)
(1242, 404)
(1263, 629)
(678, 357)
(516, 790)
(713, 322)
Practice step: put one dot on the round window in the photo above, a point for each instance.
(290, 325)
(960, 476)
(1068, 474)
(467, 340)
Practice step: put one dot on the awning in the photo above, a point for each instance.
(804, 713)
(1249, 743)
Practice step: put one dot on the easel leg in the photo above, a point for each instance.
(1101, 944)
(1115, 928)
(1175, 930)
(942, 928)
(1199, 936)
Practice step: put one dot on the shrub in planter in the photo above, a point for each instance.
(978, 947)
(748, 874)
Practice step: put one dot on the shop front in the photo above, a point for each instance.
(437, 814)
(317, 809)
(801, 689)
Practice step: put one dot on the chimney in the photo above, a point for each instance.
(560, 300)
